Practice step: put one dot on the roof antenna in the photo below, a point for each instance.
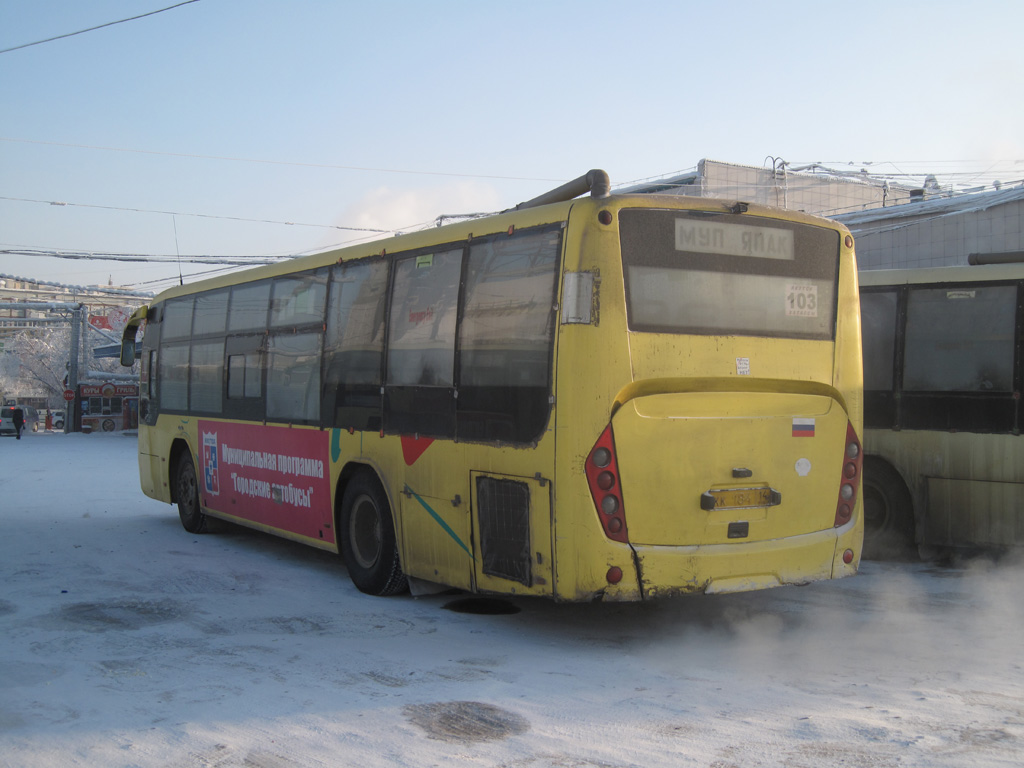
(174, 220)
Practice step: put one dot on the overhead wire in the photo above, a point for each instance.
(99, 26)
(61, 203)
(141, 257)
(233, 263)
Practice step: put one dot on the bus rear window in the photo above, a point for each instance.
(728, 274)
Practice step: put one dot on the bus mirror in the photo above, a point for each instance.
(129, 345)
(128, 352)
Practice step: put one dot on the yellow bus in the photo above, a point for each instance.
(944, 457)
(612, 397)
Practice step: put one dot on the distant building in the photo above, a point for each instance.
(895, 226)
(982, 227)
(100, 302)
(812, 189)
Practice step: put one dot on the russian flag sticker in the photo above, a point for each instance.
(803, 427)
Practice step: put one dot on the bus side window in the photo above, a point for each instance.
(177, 319)
(878, 311)
(174, 377)
(505, 341)
(249, 306)
(175, 336)
(298, 300)
(419, 389)
(354, 346)
(206, 376)
(958, 361)
(206, 369)
(150, 374)
(293, 377)
(244, 357)
(148, 391)
(244, 376)
(210, 313)
(960, 339)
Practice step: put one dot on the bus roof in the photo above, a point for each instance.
(483, 226)
(958, 274)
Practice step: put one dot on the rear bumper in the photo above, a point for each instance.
(741, 567)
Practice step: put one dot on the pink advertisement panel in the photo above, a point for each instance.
(275, 476)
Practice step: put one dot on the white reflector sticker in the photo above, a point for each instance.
(577, 297)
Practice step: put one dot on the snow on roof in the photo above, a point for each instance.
(935, 207)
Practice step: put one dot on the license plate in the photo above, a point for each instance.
(742, 498)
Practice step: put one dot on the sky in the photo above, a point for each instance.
(261, 128)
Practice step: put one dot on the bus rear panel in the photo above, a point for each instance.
(729, 456)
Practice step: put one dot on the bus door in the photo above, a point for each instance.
(511, 534)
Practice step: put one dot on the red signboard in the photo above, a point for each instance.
(275, 476)
(109, 390)
(69, 395)
(100, 321)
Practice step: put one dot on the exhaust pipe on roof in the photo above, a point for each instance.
(596, 182)
(1006, 257)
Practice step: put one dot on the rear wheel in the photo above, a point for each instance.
(888, 512)
(368, 543)
(187, 493)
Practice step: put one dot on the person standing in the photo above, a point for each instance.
(19, 421)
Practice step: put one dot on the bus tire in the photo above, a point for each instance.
(368, 544)
(888, 512)
(186, 492)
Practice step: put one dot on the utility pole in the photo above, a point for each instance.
(71, 419)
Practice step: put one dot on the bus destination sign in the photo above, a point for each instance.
(734, 239)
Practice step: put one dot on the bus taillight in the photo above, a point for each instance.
(853, 460)
(603, 477)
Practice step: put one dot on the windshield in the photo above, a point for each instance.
(728, 274)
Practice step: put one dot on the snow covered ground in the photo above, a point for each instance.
(125, 641)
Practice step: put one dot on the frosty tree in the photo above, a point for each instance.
(37, 362)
